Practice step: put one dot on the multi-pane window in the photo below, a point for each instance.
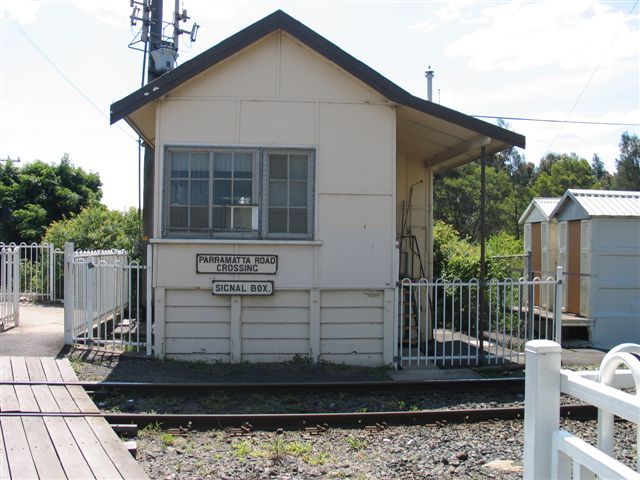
(288, 196)
(238, 193)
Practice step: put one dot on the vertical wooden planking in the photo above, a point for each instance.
(63, 398)
(119, 455)
(66, 371)
(19, 367)
(50, 368)
(236, 329)
(73, 463)
(6, 372)
(18, 455)
(35, 370)
(4, 462)
(8, 399)
(44, 398)
(43, 452)
(96, 457)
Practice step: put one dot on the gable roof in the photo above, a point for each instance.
(544, 205)
(602, 203)
(279, 20)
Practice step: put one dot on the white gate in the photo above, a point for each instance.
(440, 322)
(9, 287)
(107, 300)
(41, 270)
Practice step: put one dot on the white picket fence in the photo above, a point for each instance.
(551, 453)
(9, 287)
(105, 296)
(41, 269)
(440, 321)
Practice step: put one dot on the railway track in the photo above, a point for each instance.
(247, 422)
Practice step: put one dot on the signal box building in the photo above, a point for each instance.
(599, 249)
(283, 170)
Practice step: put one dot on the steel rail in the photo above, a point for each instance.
(319, 421)
(386, 386)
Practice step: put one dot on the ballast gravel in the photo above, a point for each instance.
(454, 451)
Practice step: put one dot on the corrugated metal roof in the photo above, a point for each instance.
(607, 203)
(546, 204)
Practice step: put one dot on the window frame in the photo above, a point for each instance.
(260, 194)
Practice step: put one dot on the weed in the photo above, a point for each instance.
(362, 410)
(150, 430)
(414, 408)
(319, 458)
(356, 444)
(168, 439)
(402, 405)
(242, 449)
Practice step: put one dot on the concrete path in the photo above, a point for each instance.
(40, 334)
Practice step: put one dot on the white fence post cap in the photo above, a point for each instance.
(542, 346)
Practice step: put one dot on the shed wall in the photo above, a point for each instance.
(333, 296)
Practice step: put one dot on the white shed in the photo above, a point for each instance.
(599, 250)
(283, 168)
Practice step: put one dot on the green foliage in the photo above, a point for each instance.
(97, 228)
(628, 163)
(36, 194)
(459, 258)
(567, 171)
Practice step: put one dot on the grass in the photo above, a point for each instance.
(356, 444)
(242, 449)
(168, 439)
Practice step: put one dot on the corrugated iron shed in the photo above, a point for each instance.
(544, 204)
(603, 203)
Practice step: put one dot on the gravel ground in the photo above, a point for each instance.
(92, 365)
(461, 451)
(226, 402)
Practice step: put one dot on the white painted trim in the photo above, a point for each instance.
(215, 241)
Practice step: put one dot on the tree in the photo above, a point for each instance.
(97, 228)
(567, 171)
(628, 163)
(457, 200)
(37, 194)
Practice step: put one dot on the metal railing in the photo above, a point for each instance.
(41, 271)
(445, 322)
(107, 300)
(557, 454)
(9, 287)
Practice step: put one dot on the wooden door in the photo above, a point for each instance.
(536, 258)
(573, 268)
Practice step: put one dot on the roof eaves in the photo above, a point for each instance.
(280, 20)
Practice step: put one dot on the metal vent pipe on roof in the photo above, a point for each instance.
(429, 74)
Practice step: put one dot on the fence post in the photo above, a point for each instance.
(541, 406)
(68, 293)
(557, 306)
(149, 302)
(52, 273)
(16, 286)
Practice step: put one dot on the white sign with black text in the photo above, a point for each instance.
(242, 287)
(225, 263)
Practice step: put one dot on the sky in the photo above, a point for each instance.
(63, 62)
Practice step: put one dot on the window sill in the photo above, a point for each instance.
(227, 241)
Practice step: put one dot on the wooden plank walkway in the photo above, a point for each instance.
(64, 443)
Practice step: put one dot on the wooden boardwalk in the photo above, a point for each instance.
(44, 432)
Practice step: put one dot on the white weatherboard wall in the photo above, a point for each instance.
(333, 296)
(613, 256)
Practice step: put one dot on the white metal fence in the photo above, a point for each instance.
(41, 271)
(445, 323)
(107, 300)
(9, 287)
(557, 454)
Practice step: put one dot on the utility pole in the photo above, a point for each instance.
(160, 55)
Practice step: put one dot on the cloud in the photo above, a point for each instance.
(451, 11)
(25, 11)
(569, 34)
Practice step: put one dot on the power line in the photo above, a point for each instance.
(554, 120)
(591, 78)
(60, 72)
